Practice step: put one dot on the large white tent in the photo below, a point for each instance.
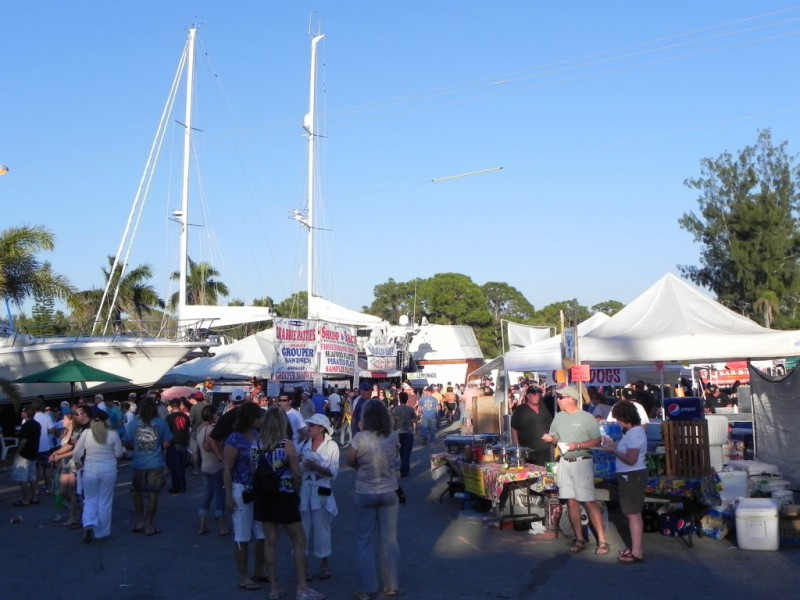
(546, 352)
(244, 359)
(672, 322)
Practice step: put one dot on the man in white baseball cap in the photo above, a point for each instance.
(576, 433)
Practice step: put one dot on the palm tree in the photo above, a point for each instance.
(201, 288)
(768, 305)
(21, 274)
(136, 296)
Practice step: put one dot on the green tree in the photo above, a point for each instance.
(266, 301)
(201, 287)
(21, 273)
(609, 307)
(136, 298)
(767, 306)
(747, 225)
(574, 313)
(43, 313)
(505, 302)
(453, 299)
(293, 307)
(393, 299)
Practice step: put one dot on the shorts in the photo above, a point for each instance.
(147, 480)
(631, 486)
(279, 508)
(245, 527)
(44, 459)
(24, 470)
(576, 480)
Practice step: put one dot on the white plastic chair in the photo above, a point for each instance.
(7, 443)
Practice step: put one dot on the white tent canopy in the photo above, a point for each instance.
(546, 355)
(325, 310)
(670, 322)
(244, 359)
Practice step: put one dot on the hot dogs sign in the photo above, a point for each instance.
(307, 348)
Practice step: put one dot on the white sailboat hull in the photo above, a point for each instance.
(142, 360)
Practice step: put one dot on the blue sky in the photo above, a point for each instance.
(597, 112)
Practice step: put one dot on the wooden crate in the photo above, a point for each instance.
(686, 446)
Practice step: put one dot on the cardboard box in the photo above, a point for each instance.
(790, 531)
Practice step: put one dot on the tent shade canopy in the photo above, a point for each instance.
(71, 371)
(671, 322)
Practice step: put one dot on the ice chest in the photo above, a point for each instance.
(754, 469)
(734, 485)
(757, 524)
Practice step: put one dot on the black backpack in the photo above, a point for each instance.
(265, 479)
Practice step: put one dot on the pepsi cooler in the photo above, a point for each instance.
(684, 409)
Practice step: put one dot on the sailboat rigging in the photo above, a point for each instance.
(192, 319)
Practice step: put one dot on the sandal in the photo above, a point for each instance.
(251, 586)
(602, 548)
(577, 546)
(628, 558)
(21, 503)
(310, 594)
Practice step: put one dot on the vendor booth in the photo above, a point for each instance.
(673, 323)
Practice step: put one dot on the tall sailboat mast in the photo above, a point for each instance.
(309, 124)
(187, 152)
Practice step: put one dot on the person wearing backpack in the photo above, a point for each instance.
(148, 437)
(275, 484)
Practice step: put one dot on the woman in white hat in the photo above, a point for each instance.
(319, 461)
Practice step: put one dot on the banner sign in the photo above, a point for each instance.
(725, 377)
(569, 343)
(381, 356)
(296, 347)
(338, 349)
(580, 373)
(612, 376)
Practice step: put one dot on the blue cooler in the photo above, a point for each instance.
(684, 409)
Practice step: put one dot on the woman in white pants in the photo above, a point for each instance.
(96, 454)
(319, 461)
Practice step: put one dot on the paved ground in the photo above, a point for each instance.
(446, 554)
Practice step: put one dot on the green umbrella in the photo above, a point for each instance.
(71, 372)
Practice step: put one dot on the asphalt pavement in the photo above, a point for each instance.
(445, 553)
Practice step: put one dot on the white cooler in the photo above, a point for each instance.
(757, 524)
(754, 468)
(734, 485)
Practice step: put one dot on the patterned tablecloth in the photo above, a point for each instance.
(701, 490)
(485, 479)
